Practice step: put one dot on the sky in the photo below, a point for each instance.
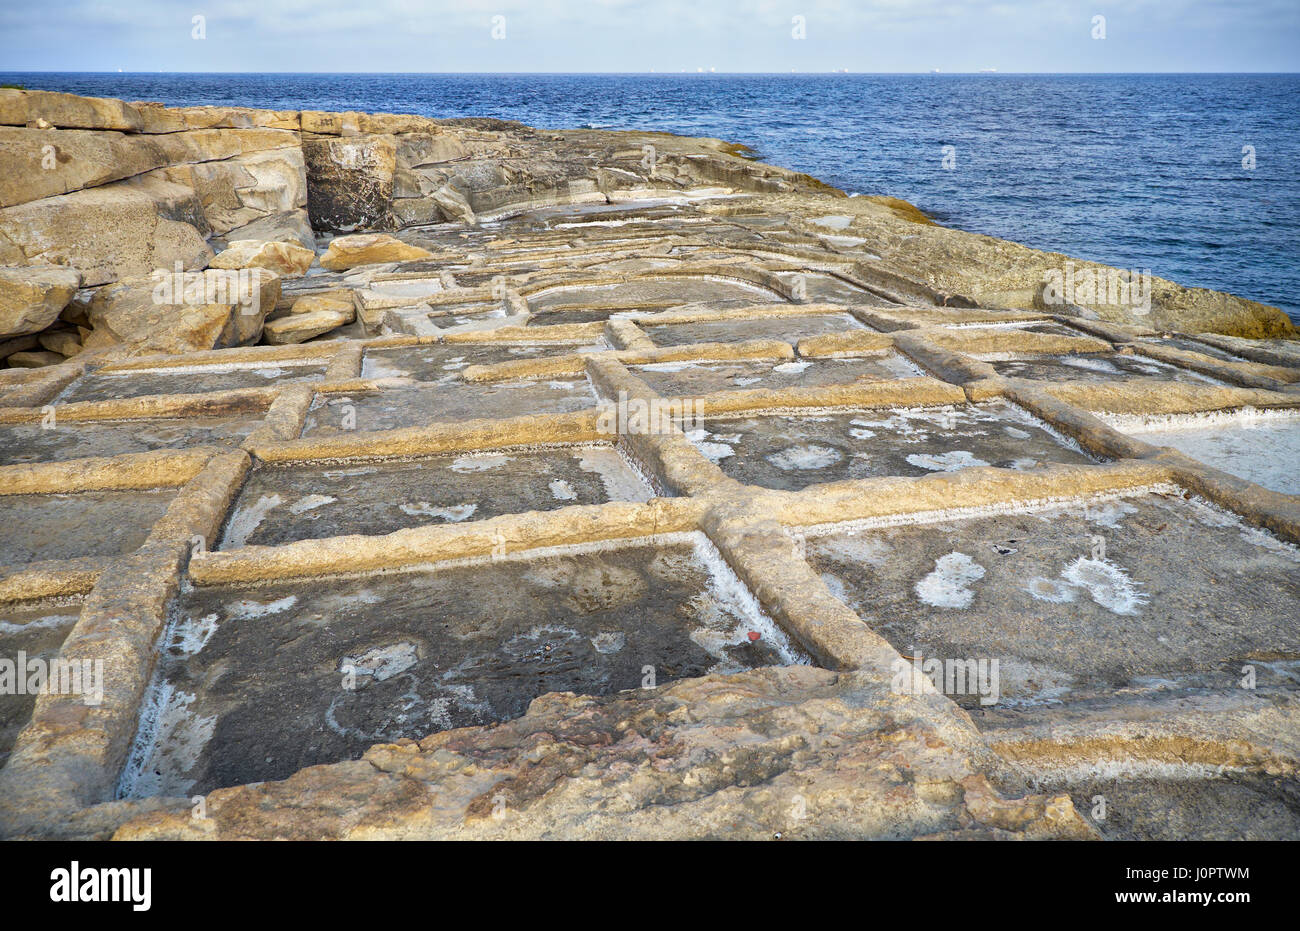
(863, 36)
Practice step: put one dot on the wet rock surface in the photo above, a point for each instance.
(790, 452)
(282, 504)
(256, 684)
(1080, 601)
(88, 523)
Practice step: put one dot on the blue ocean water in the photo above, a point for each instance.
(1137, 171)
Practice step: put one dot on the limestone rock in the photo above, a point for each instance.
(287, 226)
(38, 163)
(747, 756)
(34, 359)
(18, 344)
(123, 229)
(346, 252)
(65, 342)
(247, 188)
(32, 298)
(453, 205)
(288, 260)
(184, 313)
(160, 119)
(350, 181)
(315, 302)
(66, 111)
(300, 327)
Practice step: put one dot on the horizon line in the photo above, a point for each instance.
(681, 72)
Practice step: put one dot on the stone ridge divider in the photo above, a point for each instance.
(159, 468)
(496, 537)
(70, 755)
(1245, 374)
(758, 349)
(690, 314)
(578, 427)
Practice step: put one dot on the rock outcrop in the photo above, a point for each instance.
(346, 252)
(747, 757)
(182, 313)
(119, 190)
(32, 298)
(286, 259)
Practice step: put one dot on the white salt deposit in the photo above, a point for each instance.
(805, 456)
(1107, 584)
(248, 519)
(945, 462)
(310, 503)
(479, 463)
(947, 585)
(454, 514)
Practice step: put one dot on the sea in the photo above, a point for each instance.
(1195, 177)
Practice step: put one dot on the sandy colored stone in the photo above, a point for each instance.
(300, 327)
(66, 111)
(285, 259)
(34, 359)
(115, 230)
(31, 298)
(744, 756)
(347, 252)
(65, 342)
(505, 327)
(313, 303)
(148, 317)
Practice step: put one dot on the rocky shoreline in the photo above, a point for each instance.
(373, 476)
(101, 192)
